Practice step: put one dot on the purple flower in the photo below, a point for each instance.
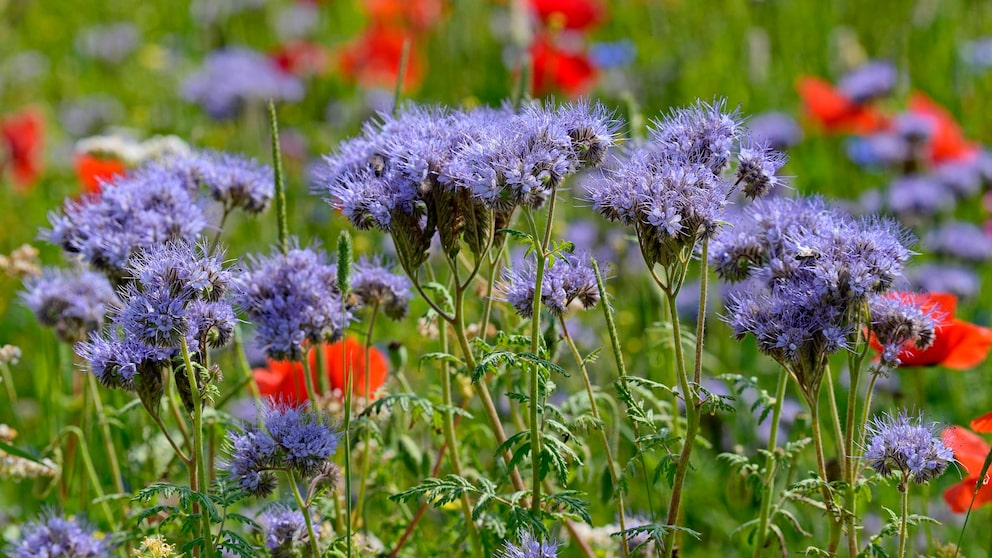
(149, 206)
(942, 278)
(53, 535)
(960, 240)
(884, 149)
(917, 196)
(963, 179)
(373, 284)
(869, 81)
(109, 43)
(704, 133)
(124, 363)
(294, 299)
(778, 130)
(906, 445)
(233, 77)
(757, 165)
(235, 181)
(284, 529)
(72, 302)
(567, 279)
(293, 438)
(529, 547)
(897, 320)
(614, 54)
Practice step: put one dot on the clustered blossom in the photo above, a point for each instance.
(284, 530)
(72, 302)
(54, 535)
(869, 81)
(294, 299)
(898, 320)
(460, 173)
(906, 445)
(235, 181)
(176, 293)
(231, 78)
(964, 241)
(529, 547)
(810, 268)
(568, 278)
(672, 189)
(373, 284)
(291, 438)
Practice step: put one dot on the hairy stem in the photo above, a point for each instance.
(771, 465)
(312, 535)
(903, 528)
(366, 457)
(198, 482)
(282, 220)
(308, 379)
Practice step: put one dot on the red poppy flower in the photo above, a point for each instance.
(93, 171)
(373, 60)
(947, 142)
(416, 14)
(21, 137)
(970, 452)
(957, 344)
(834, 112)
(556, 70)
(301, 58)
(569, 14)
(284, 379)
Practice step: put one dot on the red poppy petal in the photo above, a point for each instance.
(574, 14)
(959, 497)
(378, 367)
(969, 449)
(947, 142)
(983, 423)
(968, 343)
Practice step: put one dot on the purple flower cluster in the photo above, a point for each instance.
(810, 269)
(234, 181)
(372, 283)
(460, 173)
(897, 320)
(290, 438)
(906, 445)
(672, 189)
(54, 535)
(869, 81)
(72, 302)
(567, 279)
(233, 77)
(959, 240)
(529, 547)
(294, 299)
(284, 530)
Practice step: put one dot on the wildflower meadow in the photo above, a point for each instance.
(511, 278)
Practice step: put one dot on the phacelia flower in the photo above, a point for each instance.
(294, 299)
(291, 437)
(906, 445)
(869, 81)
(529, 547)
(777, 130)
(373, 284)
(567, 279)
(960, 240)
(231, 78)
(72, 302)
(918, 197)
(757, 166)
(959, 281)
(54, 535)
(234, 181)
(900, 322)
(284, 530)
(284, 381)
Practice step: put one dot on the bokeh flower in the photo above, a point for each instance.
(72, 302)
(21, 146)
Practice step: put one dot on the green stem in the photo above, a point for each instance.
(850, 500)
(280, 196)
(903, 528)
(701, 312)
(400, 74)
(813, 400)
(8, 382)
(771, 465)
(692, 420)
(314, 549)
(366, 457)
(91, 471)
(611, 464)
(108, 440)
(308, 379)
(241, 361)
(198, 481)
(451, 441)
(347, 445)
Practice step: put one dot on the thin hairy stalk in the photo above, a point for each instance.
(850, 499)
(697, 373)
(220, 228)
(348, 375)
(308, 379)
(813, 400)
(400, 75)
(611, 327)
(415, 279)
(198, 481)
(835, 419)
(692, 427)
(108, 440)
(175, 447)
(366, 457)
(91, 471)
(771, 465)
(8, 382)
(452, 442)
(311, 534)
(487, 308)
(282, 220)
(614, 475)
(903, 528)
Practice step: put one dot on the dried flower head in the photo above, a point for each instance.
(154, 546)
(906, 445)
(21, 263)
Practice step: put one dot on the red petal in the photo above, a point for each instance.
(968, 344)
(373, 60)
(92, 172)
(983, 423)
(558, 70)
(835, 112)
(959, 496)
(354, 351)
(969, 449)
(570, 14)
(21, 136)
(948, 142)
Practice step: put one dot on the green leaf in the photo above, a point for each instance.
(12, 450)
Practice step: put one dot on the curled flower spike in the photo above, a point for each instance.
(906, 445)
(569, 278)
(757, 165)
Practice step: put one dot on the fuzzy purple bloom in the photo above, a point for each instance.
(897, 320)
(373, 284)
(294, 299)
(235, 181)
(778, 130)
(918, 196)
(529, 547)
(231, 78)
(284, 529)
(964, 241)
(960, 281)
(869, 81)
(72, 302)
(757, 165)
(906, 445)
(569, 278)
(53, 535)
(963, 179)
